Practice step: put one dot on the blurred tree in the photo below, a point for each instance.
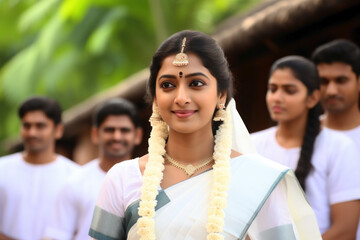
(70, 49)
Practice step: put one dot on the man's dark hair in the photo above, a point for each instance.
(116, 106)
(339, 50)
(49, 106)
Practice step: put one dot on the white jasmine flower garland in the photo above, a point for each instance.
(153, 175)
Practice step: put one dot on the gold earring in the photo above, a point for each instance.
(155, 116)
(220, 114)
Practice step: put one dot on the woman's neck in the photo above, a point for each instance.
(290, 134)
(190, 148)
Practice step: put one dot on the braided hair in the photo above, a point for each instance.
(306, 72)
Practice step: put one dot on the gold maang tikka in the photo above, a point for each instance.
(181, 59)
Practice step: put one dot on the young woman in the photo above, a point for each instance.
(192, 184)
(326, 163)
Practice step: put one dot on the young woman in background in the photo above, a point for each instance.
(326, 163)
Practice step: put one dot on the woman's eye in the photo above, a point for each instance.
(167, 85)
(197, 83)
(272, 89)
(291, 91)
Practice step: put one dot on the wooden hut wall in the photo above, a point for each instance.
(250, 61)
(251, 44)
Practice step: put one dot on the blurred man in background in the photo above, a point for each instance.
(338, 63)
(116, 130)
(31, 180)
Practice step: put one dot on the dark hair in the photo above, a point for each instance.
(305, 71)
(115, 106)
(203, 46)
(339, 50)
(50, 107)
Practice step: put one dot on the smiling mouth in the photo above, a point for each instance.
(184, 113)
(116, 145)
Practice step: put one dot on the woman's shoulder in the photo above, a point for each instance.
(136, 165)
(263, 136)
(142, 163)
(125, 167)
(266, 131)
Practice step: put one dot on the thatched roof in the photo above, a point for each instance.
(275, 18)
(242, 32)
(251, 42)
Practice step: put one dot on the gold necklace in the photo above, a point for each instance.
(188, 169)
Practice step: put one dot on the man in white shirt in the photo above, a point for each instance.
(338, 63)
(31, 180)
(116, 130)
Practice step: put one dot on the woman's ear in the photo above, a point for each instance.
(222, 97)
(313, 99)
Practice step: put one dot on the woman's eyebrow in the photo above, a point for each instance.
(196, 74)
(167, 76)
(283, 85)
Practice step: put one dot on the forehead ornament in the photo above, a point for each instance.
(181, 59)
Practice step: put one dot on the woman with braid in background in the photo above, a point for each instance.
(326, 163)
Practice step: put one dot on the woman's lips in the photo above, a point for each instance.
(184, 113)
(277, 109)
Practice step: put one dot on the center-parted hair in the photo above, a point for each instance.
(306, 72)
(115, 106)
(203, 46)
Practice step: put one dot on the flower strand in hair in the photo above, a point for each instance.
(221, 179)
(153, 175)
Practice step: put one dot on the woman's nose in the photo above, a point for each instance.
(182, 96)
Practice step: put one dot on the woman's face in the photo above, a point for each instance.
(287, 98)
(186, 96)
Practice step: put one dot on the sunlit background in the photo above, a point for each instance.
(70, 50)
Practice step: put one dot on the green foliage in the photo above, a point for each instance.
(69, 50)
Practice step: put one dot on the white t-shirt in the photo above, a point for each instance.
(335, 177)
(75, 205)
(354, 134)
(28, 193)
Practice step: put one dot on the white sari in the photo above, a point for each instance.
(265, 202)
